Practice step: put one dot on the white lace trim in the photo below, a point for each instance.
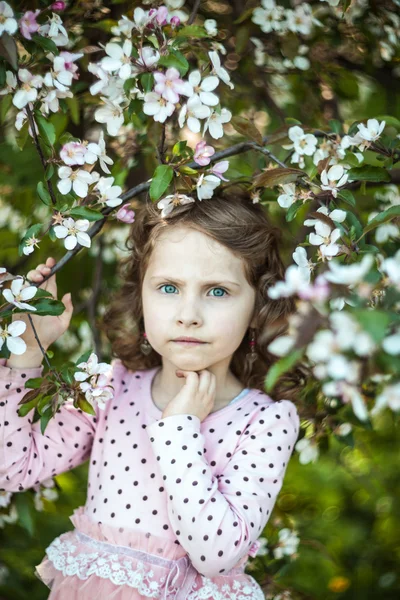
(239, 590)
(105, 565)
(119, 571)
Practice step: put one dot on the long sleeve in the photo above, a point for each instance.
(26, 455)
(216, 520)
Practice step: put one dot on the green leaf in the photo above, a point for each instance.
(335, 125)
(368, 173)
(44, 404)
(187, 170)
(163, 176)
(25, 513)
(86, 406)
(34, 382)
(44, 421)
(291, 121)
(193, 31)
(147, 81)
(21, 136)
(73, 106)
(354, 224)
(84, 357)
(49, 307)
(45, 43)
(175, 59)
(375, 322)
(5, 105)
(8, 49)
(46, 129)
(179, 147)
(49, 172)
(281, 366)
(83, 212)
(293, 210)
(383, 217)
(348, 197)
(389, 120)
(43, 193)
(67, 373)
(25, 408)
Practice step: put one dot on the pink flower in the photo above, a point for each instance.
(58, 6)
(175, 21)
(169, 85)
(162, 14)
(125, 215)
(220, 168)
(202, 153)
(317, 292)
(73, 153)
(27, 23)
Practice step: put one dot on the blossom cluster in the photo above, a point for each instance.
(95, 381)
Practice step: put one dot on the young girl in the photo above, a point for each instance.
(188, 458)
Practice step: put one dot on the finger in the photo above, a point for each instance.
(51, 286)
(204, 382)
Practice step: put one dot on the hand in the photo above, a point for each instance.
(197, 396)
(49, 328)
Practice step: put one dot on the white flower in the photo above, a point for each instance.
(29, 245)
(125, 25)
(372, 131)
(349, 394)
(391, 344)
(300, 19)
(5, 498)
(96, 152)
(11, 83)
(282, 345)
(73, 232)
(210, 25)
(303, 143)
(78, 180)
(7, 21)
(308, 450)
(305, 265)
(169, 85)
(295, 279)
(157, 107)
(219, 71)
(192, 111)
(167, 204)
(206, 185)
(28, 90)
(18, 294)
(334, 178)
(109, 194)
(215, 121)
(288, 543)
(350, 335)
(389, 396)
(118, 59)
(289, 195)
(91, 367)
(325, 237)
(111, 114)
(96, 395)
(269, 17)
(391, 266)
(384, 232)
(148, 56)
(55, 30)
(64, 71)
(73, 153)
(11, 335)
(349, 274)
(204, 89)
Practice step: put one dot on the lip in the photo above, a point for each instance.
(189, 340)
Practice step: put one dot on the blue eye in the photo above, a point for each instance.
(170, 285)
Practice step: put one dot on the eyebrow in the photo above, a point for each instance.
(205, 283)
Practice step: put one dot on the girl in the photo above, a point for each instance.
(188, 458)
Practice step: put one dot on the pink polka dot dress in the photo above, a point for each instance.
(174, 506)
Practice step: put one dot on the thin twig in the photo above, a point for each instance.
(194, 12)
(39, 149)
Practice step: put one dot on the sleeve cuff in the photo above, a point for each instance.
(19, 373)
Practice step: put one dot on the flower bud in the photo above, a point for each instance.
(125, 215)
(58, 6)
(175, 21)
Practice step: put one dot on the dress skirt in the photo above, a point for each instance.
(100, 561)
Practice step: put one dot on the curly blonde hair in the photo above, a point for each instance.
(231, 219)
